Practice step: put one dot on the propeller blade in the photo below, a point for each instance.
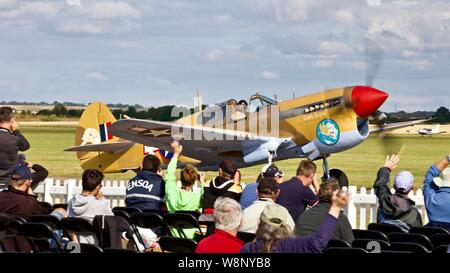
(373, 54)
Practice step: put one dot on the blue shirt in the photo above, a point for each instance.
(437, 200)
(249, 195)
(145, 191)
(295, 197)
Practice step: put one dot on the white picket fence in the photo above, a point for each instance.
(361, 210)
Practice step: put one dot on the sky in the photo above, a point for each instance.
(154, 53)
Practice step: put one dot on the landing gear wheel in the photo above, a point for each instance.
(340, 176)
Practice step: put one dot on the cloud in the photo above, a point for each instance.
(97, 76)
(73, 2)
(28, 10)
(344, 16)
(323, 63)
(269, 75)
(224, 18)
(84, 27)
(214, 55)
(7, 3)
(114, 10)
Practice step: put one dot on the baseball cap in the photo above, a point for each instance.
(444, 179)
(21, 173)
(274, 215)
(403, 181)
(267, 185)
(271, 170)
(228, 167)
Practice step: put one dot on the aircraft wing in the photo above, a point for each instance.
(209, 145)
(397, 125)
(116, 146)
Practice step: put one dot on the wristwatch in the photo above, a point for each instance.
(448, 158)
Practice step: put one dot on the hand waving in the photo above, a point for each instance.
(392, 161)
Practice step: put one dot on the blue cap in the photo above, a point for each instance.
(403, 181)
(21, 173)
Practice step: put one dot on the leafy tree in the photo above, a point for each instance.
(442, 115)
(59, 110)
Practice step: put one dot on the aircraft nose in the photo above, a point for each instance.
(366, 100)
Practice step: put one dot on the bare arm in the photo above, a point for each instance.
(441, 165)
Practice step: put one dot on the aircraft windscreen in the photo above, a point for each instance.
(259, 101)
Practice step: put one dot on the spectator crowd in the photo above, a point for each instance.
(296, 215)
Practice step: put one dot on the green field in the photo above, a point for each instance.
(360, 163)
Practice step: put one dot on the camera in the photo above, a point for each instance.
(22, 160)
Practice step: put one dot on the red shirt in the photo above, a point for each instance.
(220, 242)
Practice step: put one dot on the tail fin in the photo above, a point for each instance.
(97, 149)
(438, 127)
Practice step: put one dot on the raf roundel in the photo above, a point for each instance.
(328, 132)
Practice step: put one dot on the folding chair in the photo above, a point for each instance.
(160, 212)
(337, 243)
(181, 221)
(246, 236)
(13, 240)
(428, 231)
(440, 239)
(385, 228)
(441, 249)
(122, 214)
(194, 213)
(128, 210)
(52, 221)
(368, 244)
(345, 250)
(79, 226)
(39, 235)
(408, 247)
(369, 234)
(60, 205)
(47, 206)
(177, 245)
(411, 238)
(150, 220)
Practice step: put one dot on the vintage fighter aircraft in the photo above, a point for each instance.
(312, 126)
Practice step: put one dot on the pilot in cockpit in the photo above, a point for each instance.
(237, 111)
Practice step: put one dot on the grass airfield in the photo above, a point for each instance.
(360, 163)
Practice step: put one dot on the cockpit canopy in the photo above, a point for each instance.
(232, 110)
(258, 101)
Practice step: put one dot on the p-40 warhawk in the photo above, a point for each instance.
(312, 126)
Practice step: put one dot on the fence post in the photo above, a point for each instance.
(362, 210)
(70, 186)
(350, 209)
(48, 183)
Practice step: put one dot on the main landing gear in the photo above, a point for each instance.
(335, 173)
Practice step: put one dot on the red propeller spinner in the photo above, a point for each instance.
(366, 100)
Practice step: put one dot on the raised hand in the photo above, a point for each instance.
(177, 148)
(392, 161)
(340, 199)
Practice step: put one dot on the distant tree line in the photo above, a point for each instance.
(441, 116)
(162, 113)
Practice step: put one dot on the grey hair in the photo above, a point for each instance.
(227, 214)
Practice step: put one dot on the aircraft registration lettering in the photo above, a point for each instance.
(328, 132)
